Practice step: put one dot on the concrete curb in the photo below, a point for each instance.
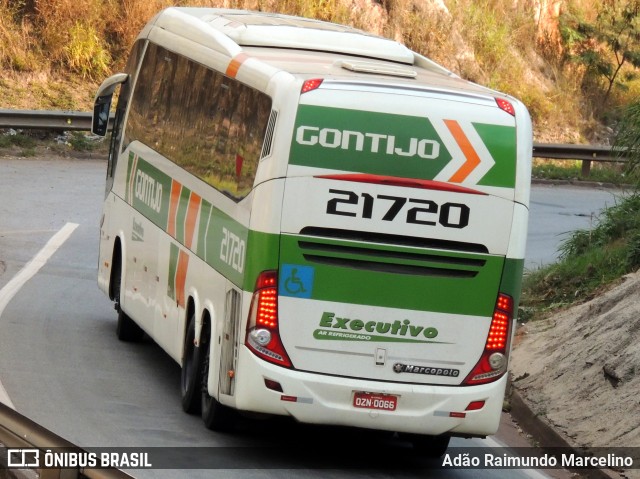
(546, 436)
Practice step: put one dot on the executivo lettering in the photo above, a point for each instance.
(347, 329)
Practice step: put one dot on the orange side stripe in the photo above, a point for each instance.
(181, 278)
(173, 207)
(473, 160)
(235, 64)
(190, 221)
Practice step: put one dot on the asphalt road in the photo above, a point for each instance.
(558, 210)
(62, 365)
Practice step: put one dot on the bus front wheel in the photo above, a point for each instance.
(127, 330)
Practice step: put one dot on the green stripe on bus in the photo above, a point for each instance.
(385, 144)
(441, 292)
(263, 250)
(511, 282)
(221, 241)
(173, 267)
(127, 194)
(181, 213)
(390, 144)
(151, 191)
(501, 143)
(205, 213)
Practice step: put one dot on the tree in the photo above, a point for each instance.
(606, 44)
(627, 140)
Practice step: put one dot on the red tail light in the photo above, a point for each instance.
(311, 85)
(493, 362)
(506, 106)
(263, 337)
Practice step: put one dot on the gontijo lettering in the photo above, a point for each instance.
(374, 142)
(148, 190)
(399, 328)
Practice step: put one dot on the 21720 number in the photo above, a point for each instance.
(430, 213)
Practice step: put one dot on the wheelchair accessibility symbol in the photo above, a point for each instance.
(296, 280)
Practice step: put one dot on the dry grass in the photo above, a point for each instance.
(18, 49)
(492, 42)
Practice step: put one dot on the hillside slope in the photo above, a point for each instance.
(579, 369)
(54, 53)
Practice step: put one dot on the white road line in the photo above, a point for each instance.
(25, 274)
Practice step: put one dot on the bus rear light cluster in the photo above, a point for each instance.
(506, 105)
(493, 362)
(263, 336)
(267, 308)
(311, 85)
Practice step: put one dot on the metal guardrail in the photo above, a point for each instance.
(586, 153)
(48, 120)
(577, 152)
(81, 121)
(18, 431)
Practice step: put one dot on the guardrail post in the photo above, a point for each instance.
(586, 168)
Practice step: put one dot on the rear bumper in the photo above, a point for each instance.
(323, 399)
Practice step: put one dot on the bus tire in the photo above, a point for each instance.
(127, 329)
(429, 446)
(191, 375)
(215, 416)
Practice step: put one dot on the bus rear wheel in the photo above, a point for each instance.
(191, 376)
(215, 416)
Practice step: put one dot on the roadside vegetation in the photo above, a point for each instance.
(593, 259)
(30, 143)
(24, 145)
(617, 174)
(589, 261)
(573, 71)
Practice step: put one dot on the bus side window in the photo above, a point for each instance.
(116, 144)
(209, 124)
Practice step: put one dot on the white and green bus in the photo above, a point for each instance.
(315, 222)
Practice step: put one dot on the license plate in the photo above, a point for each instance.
(385, 402)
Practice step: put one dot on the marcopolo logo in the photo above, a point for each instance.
(429, 371)
(370, 142)
(347, 329)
